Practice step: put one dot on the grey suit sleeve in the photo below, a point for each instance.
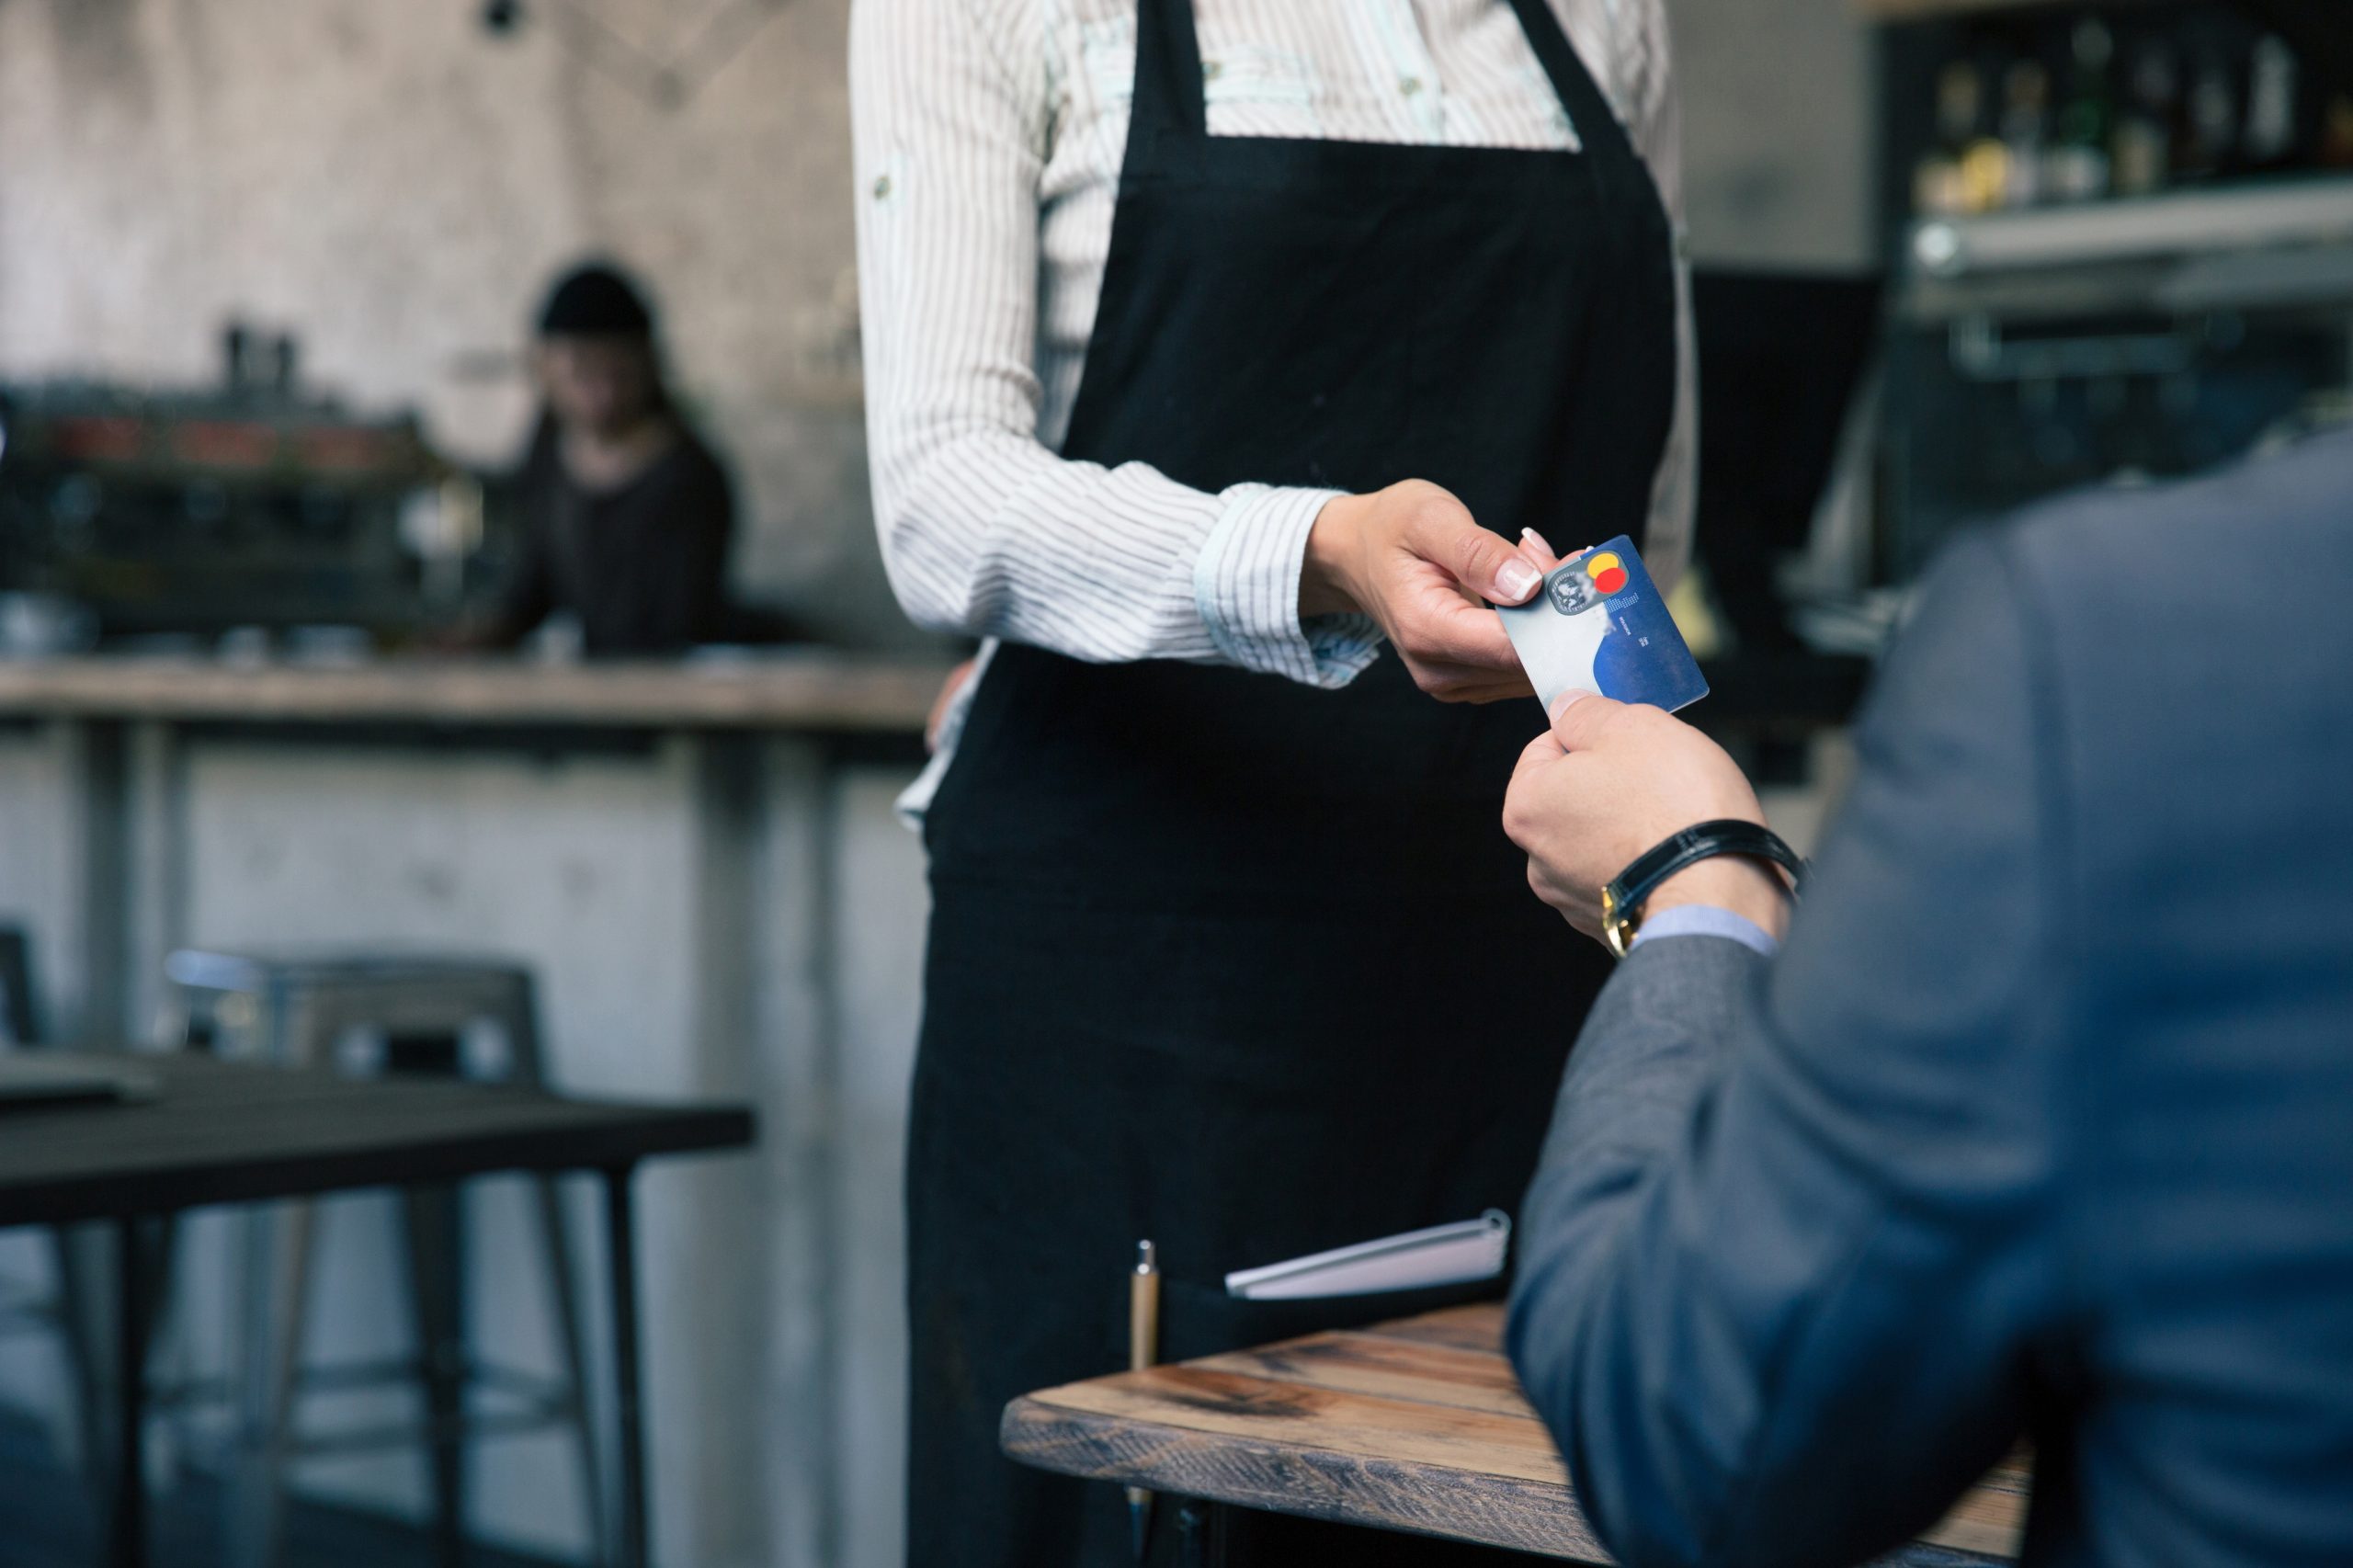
(1785, 1267)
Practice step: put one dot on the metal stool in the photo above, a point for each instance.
(297, 1010)
(17, 1009)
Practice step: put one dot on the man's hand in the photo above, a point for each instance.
(1413, 559)
(1611, 780)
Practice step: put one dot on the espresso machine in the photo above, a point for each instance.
(166, 514)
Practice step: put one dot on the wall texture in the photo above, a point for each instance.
(1777, 131)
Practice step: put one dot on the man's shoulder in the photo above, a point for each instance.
(2179, 643)
(2272, 529)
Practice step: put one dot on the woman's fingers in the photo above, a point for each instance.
(1439, 530)
(1448, 628)
(1533, 546)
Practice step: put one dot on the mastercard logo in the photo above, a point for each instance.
(1608, 572)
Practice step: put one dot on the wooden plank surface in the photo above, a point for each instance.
(1386, 1369)
(222, 1132)
(1415, 1426)
(810, 689)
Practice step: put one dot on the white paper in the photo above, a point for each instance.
(1417, 1260)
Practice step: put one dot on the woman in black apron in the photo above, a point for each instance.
(1202, 938)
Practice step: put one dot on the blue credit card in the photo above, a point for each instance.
(1600, 625)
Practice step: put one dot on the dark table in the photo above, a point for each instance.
(221, 1132)
(1415, 1426)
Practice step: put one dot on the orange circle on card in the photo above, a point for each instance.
(1605, 562)
(1610, 581)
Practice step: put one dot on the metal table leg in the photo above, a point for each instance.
(434, 1223)
(621, 1249)
(127, 1549)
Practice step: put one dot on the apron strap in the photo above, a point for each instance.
(1597, 123)
(1168, 91)
(1169, 103)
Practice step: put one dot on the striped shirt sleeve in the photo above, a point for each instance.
(986, 530)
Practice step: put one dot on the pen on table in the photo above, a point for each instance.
(1143, 1349)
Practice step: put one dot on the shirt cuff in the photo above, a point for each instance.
(1246, 584)
(1706, 920)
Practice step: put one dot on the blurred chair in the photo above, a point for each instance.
(403, 1014)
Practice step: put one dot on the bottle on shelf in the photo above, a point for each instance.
(2336, 148)
(2026, 130)
(2206, 143)
(1986, 158)
(2273, 110)
(2079, 163)
(1939, 189)
(2141, 147)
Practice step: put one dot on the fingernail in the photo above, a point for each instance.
(1531, 536)
(1517, 579)
(1561, 703)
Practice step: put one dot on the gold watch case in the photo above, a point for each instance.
(1617, 927)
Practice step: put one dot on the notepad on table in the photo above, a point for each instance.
(1418, 1260)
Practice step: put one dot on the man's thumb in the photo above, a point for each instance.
(1579, 717)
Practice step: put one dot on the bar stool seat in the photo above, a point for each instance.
(367, 1013)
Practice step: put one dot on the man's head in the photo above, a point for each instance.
(595, 358)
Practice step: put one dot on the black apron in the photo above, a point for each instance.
(1216, 959)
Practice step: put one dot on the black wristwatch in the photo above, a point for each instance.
(1621, 900)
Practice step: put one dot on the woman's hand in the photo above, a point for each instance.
(1414, 559)
(1611, 780)
(944, 701)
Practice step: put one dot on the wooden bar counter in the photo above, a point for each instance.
(810, 689)
(1418, 1425)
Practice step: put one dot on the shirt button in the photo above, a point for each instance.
(1211, 70)
(882, 188)
(1409, 85)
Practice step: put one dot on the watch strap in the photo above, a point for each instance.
(1621, 900)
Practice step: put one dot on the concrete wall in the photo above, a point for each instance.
(1777, 139)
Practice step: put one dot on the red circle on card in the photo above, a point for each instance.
(1612, 580)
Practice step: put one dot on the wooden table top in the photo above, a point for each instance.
(1415, 1426)
(233, 1133)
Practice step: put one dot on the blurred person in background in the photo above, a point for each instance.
(624, 517)
(2037, 1122)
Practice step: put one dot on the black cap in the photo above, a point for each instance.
(595, 301)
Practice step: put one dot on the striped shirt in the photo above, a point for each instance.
(989, 136)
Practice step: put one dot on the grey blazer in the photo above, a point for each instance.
(2040, 1122)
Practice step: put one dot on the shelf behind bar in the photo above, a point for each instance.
(1928, 10)
(2300, 211)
